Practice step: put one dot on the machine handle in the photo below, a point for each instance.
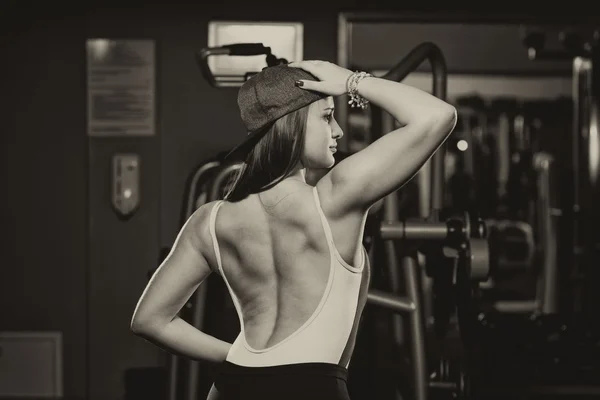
(235, 49)
(247, 49)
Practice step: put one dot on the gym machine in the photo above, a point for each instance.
(514, 187)
(517, 176)
(527, 205)
(565, 319)
(582, 47)
(454, 246)
(548, 345)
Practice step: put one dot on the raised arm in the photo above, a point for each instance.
(177, 278)
(387, 164)
(391, 161)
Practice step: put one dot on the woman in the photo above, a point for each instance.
(291, 252)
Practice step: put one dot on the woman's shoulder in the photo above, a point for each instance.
(199, 220)
(202, 214)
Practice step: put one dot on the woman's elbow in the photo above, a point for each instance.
(140, 325)
(445, 115)
(442, 121)
(136, 326)
(452, 116)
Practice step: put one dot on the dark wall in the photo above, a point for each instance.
(468, 47)
(43, 213)
(69, 264)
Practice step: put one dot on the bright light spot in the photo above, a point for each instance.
(462, 145)
(99, 48)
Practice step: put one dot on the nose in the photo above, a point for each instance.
(338, 133)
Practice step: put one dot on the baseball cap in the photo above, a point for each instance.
(266, 97)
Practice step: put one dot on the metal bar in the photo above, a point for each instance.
(582, 69)
(468, 114)
(424, 51)
(417, 327)
(219, 180)
(173, 368)
(413, 230)
(424, 186)
(400, 305)
(546, 293)
(503, 154)
(191, 199)
(442, 385)
(516, 306)
(590, 196)
(391, 213)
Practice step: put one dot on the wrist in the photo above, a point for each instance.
(356, 100)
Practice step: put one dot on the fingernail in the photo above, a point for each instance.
(299, 83)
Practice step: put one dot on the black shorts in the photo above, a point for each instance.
(314, 381)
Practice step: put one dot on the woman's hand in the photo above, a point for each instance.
(332, 78)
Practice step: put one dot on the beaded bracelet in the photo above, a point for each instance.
(356, 100)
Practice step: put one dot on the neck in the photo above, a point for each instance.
(298, 175)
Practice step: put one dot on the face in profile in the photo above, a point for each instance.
(322, 134)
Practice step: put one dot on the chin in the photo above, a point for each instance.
(325, 161)
(328, 162)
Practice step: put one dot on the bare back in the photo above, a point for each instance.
(275, 257)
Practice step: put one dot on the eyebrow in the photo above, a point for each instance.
(329, 108)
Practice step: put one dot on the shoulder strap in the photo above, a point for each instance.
(213, 218)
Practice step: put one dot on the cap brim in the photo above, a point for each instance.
(241, 151)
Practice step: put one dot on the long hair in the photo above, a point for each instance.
(273, 158)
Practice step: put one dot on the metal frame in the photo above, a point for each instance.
(548, 227)
(583, 69)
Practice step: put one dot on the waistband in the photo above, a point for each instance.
(296, 370)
